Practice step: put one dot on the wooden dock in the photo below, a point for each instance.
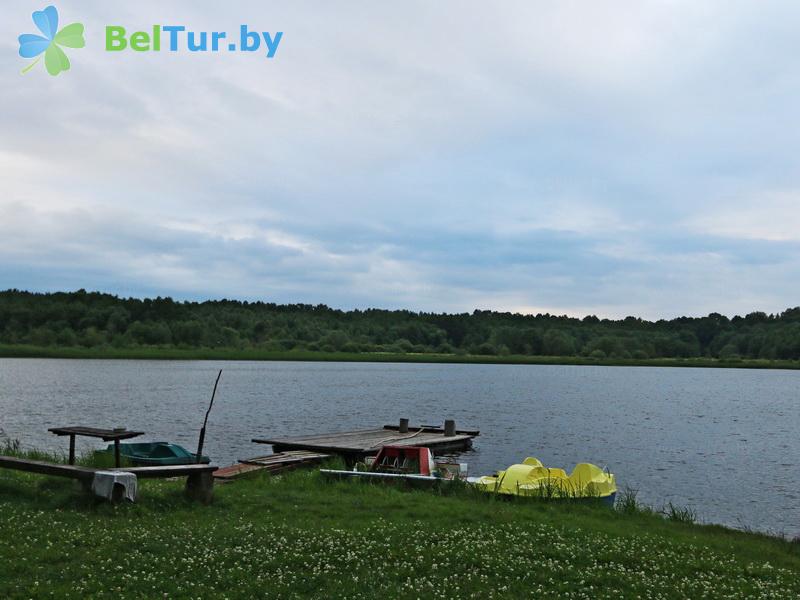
(365, 442)
(271, 463)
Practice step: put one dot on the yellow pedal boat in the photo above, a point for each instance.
(533, 479)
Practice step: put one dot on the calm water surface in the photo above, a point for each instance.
(722, 441)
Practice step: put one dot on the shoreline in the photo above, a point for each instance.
(156, 353)
(294, 535)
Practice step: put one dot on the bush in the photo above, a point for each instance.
(729, 351)
(150, 333)
(66, 337)
(402, 345)
(558, 343)
(92, 338)
(485, 349)
(41, 336)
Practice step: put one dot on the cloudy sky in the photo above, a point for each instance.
(612, 158)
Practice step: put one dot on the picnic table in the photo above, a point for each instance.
(107, 435)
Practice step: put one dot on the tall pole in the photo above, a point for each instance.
(205, 421)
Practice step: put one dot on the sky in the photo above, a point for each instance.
(608, 158)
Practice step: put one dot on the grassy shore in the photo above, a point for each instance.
(298, 536)
(155, 353)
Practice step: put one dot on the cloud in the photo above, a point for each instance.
(770, 215)
(612, 159)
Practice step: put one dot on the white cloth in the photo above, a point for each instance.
(104, 482)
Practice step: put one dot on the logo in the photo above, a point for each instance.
(175, 38)
(178, 37)
(50, 42)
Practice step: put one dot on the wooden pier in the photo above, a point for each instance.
(271, 463)
(355, 445)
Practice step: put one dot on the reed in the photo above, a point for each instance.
(679, 514)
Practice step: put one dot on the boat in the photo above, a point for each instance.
(157, 453)
(412, 464)
(532, 479)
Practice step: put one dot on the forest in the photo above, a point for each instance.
(99, 320)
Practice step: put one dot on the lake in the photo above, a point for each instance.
(722, 441)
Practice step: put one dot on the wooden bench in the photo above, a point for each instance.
(199, 478)
(47, 468)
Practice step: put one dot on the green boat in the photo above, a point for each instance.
(150, 454)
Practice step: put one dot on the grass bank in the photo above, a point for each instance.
(158, 353)
(297, 536)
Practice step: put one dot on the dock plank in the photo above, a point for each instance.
(271, 463)
(237, 471)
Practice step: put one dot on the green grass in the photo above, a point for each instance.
(158, 353)
(298, 536)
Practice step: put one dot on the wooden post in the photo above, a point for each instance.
(403, 426)
(449, 428)
(116, 453)
(117, 493)
(72, 449)
(200, 487)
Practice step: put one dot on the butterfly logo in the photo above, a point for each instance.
(50, 42)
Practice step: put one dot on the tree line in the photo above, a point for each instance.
(97, 320)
